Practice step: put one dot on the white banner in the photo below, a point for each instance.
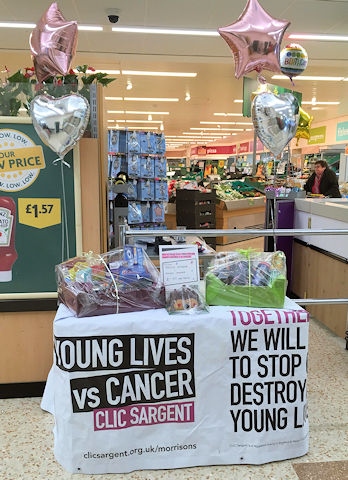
(151, 390)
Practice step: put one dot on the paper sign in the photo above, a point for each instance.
(179, 265)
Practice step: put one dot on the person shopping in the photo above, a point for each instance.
(323, 181)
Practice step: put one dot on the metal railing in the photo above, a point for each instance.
(126, 232)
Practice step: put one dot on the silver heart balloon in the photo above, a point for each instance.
(275, 119)
(60, 122)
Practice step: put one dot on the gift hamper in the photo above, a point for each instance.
(247, 278)
(119, 281)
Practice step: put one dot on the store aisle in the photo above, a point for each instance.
(26, 438)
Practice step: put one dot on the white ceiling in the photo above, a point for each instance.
(215, 88)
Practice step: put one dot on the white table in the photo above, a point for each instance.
(148, 390)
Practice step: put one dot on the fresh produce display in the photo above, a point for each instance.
(235, 190)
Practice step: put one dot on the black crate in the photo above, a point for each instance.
(194, 207)
(192, 198)
(196, 211)
(195, 219)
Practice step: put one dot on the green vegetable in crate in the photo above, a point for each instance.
(224, 191)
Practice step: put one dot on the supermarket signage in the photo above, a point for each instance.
(250, 87)
(244, 147)
(342, 131)
(20, 160)
(317, 135)
(259, 145)
(219, 150)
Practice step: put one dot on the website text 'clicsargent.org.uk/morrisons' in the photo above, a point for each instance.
(140, 451)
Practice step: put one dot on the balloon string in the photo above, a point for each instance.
(261, 79)
(65, 231)
(113, 281)
(61, 159)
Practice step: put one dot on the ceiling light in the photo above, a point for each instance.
(149, 117)
(326, 38)
(161, 127)
(139, 121)
(166, 31)
(137, 127)
(129, 85)
(314, 101)
(320, 103)
(137, 112)
(187, 96)
(309, 77)
(159, 74)
(16, 25)
(113, 98)
(149, 99)
(194, 134)
(226, 123)
(227, 129)
(90, 28)
(228, 114)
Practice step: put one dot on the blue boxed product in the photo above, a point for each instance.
(147, 167)
(133, 165)
(147, 142)
(122, 141)
(146, 211)
(134, 213)
(133, 142)
(160, 143)
(157, 212)
(114, 162)
(117, 141)
(113, 141)
(160, 167)
(132, 268)
(132, 193)
(161, 190)
(146, 189)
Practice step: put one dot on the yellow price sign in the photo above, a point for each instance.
(39, 212)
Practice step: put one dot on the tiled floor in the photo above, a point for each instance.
(26, 439)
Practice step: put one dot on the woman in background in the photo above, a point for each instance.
(323, 181)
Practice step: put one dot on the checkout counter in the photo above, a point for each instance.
(320, 262)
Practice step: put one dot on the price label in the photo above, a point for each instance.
(39, 212)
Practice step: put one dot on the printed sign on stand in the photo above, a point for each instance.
(179, 266)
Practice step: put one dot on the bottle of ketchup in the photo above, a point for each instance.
(8, 254)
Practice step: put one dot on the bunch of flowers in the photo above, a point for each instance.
(19, 89)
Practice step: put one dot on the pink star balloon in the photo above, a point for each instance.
(53, 44)
(255, 40)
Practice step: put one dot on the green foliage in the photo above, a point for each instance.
(20, 88)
